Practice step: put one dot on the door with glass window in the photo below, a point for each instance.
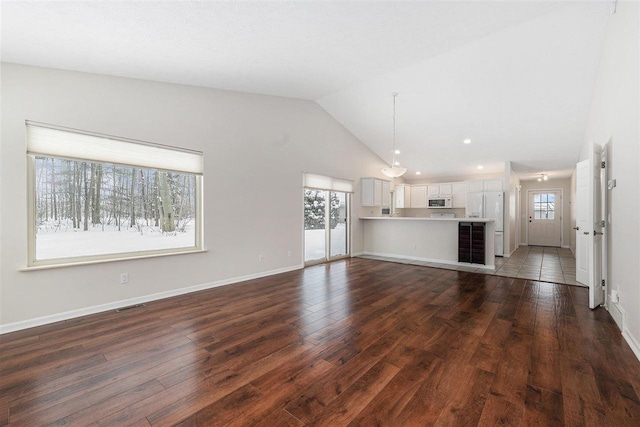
(326, 225)
(545, 216)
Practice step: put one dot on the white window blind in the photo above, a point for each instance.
(321, 182)
(52, 141)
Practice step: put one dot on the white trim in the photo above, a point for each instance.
(617, 313)
(436, 261)
(44, 320)
(356, 254)
(633, 343)
(116, 258)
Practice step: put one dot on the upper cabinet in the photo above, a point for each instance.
(374, 192)
(418, 196)
(459, 196)
(402, 196)
(439, 190)
(484, 185)
(386, 193)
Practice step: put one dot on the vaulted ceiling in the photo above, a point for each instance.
(514, 77)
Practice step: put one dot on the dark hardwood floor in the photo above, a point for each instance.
(356, 342)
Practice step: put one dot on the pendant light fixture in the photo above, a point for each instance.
(395, 170)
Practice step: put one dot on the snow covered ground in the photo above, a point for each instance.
(314, 243)
(68, 243)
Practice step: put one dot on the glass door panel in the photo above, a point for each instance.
(338, 224)
(315, 236)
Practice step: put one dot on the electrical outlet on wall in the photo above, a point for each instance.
(260, 258)
(124, 278)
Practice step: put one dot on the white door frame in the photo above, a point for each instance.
(604, 209)
(542, 190)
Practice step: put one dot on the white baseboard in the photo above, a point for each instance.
(45, 320)
(633, 343)
(617, 313)
(354, 254)
(437, 261)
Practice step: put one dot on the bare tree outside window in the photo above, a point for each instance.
(84, 209)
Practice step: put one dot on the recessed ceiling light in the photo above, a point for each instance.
(397, 164)
(467, 141)
(480, 167)
(545, 177)
(418, 173)
(539, 179)
(397, 151)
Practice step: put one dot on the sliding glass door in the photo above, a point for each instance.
(326, 228)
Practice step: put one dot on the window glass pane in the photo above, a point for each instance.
(550, 215)
(537, 214)
(536, 198)
(338, 226)
(314, 224)
(91, 209)
(551, 198)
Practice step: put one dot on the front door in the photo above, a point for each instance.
(545, 218)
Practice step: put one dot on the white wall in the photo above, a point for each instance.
(614, 116)
(255, 149)
(565, 186)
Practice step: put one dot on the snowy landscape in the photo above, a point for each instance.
(88, 209)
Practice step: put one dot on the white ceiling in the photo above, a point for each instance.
(515, 77)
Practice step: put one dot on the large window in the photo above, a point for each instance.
(102, 198)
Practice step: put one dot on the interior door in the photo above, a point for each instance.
(587, 262)
(545, 218)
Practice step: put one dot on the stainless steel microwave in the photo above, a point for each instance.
(439, 202)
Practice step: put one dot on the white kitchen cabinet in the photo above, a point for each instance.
(433, 190)
(418, 196)
(402, 196)
(386, 193)
(439, 190)
(445, 190)
(377, 192)
(374, 192)
(459, 197)
(475, 186)
(484, 185)
(493, 185)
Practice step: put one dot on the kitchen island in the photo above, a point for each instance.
(424, 239)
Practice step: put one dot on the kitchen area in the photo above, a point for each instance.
(458, 223)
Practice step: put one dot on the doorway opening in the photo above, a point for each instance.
(545, 218)
(326, 225)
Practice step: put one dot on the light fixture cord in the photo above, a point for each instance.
(393, 158)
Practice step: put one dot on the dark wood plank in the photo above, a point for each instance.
(354, 342)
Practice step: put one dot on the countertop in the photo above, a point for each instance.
(411, 218)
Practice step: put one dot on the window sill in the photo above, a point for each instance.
(114, 259)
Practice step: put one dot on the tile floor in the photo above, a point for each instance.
(556, 265)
